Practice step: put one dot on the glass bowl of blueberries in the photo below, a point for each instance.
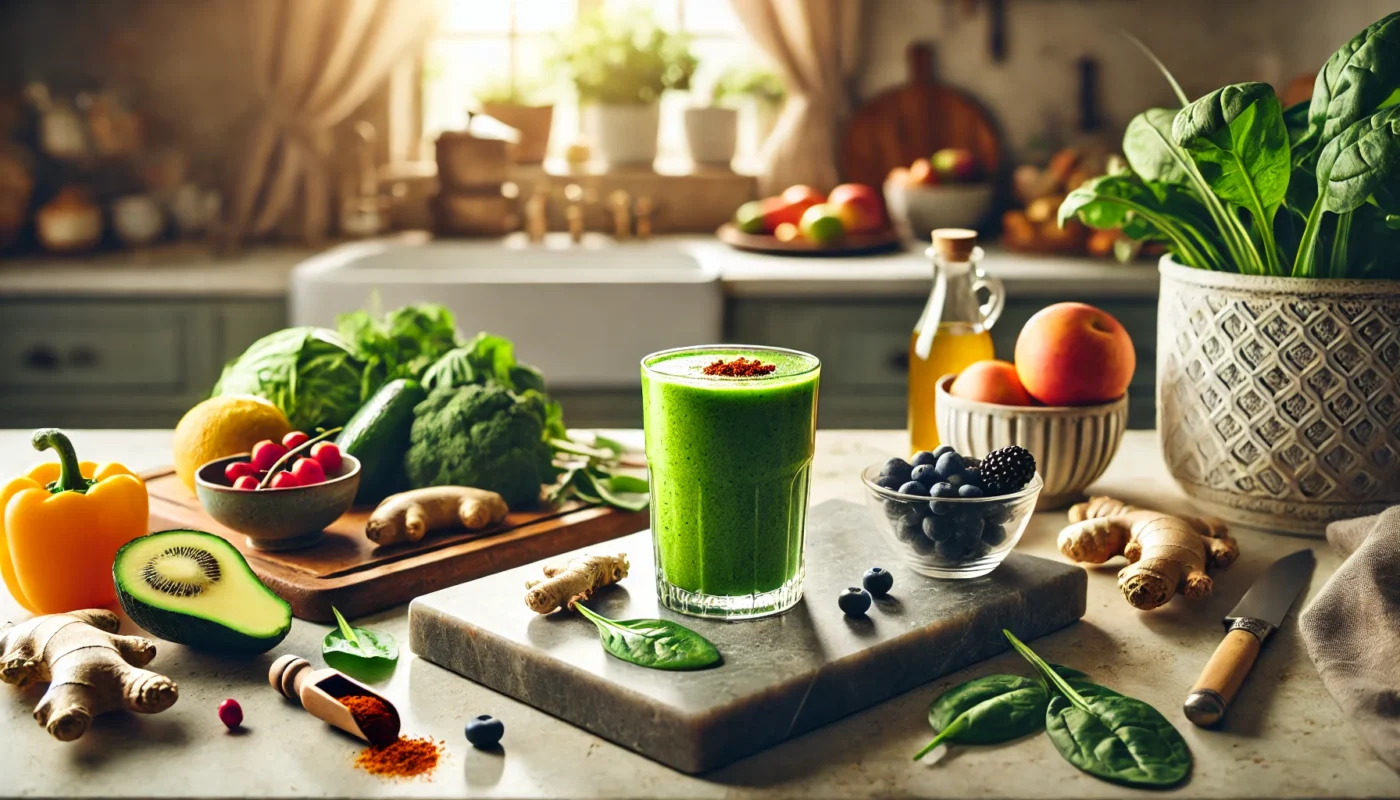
(951, 516)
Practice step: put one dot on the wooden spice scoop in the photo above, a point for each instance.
(319, 691)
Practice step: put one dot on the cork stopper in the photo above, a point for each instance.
(954, 244)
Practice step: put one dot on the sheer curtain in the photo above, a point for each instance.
(816, 47)
(312, 63)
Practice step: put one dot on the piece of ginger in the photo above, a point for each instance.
(1170, 552)
(409, 516)
(90, 669)
(566, 583)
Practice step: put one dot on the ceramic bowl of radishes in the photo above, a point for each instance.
(282, 495)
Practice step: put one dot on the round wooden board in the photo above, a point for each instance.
(859, 244)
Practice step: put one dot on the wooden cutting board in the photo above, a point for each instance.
(358, 577)
(913, 121)
(781, 677)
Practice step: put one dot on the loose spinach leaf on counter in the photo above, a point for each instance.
(358, 652)
(1109, 735)
(991, 709)
(653, 643)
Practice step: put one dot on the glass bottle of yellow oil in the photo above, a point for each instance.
(953, 331)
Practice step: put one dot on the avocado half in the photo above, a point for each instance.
(196, 589)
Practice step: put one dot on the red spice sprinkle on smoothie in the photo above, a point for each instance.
(739, 368)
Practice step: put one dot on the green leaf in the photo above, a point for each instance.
(991, 709)
(653, 643)
(1149, 149)
(1363, 160)
(617, 498)
(1361, 78)
(613, 445)
(1163, 212)
(358, 652)
(1109, 735)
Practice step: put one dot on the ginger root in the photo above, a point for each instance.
(1169, 552)
(89, 668)
(571, 582)
(407, 517)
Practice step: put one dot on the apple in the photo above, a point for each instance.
(990, 381)
(921, 173)
(860, 207)
(754, 216)
(820, 224)
(1072, 354)
(955, 165)
(793, 203)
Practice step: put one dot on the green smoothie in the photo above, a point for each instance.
(730, 458)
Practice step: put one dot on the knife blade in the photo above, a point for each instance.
(1259, 613)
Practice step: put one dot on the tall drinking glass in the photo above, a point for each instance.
(730, 432)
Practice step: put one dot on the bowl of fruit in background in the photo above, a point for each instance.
(850, 220)
(945, 191)
(1065, 399)
(311, 485)
(949, 516)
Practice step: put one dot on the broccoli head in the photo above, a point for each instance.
(481, 436)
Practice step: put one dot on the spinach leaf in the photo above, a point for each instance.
(1170, 214)
(1361, 78)
(991, 709)
(401, 344)
(1237, 138)
(653, 643)
(1109, 735)
(358, 652)
(1149, 149)
(1362, 160)
(619, 491)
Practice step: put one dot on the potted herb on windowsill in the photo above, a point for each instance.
(1278, 368)
(620, 68)
(712, 129)
(524, 109)
(761, 88)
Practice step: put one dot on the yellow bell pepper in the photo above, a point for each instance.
(62, 526)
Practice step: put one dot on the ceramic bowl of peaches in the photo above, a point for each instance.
(1065, 399)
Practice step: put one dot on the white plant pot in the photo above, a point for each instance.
(623, 134)
(712, 134)
(1278, 399)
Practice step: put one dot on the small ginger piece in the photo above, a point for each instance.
(1169, 553)
(573, 581)
(407, 517)
(89, 668)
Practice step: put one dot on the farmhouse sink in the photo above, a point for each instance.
(584, 313)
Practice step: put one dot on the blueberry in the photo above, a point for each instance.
(940, 450)
(943, 490)
(922, 457)
(909, 528)
(967, 525)
(924, 473)
(936, 529)
(969, 490)
(485, 732)
(997, 514)
(855, 601)
(939, 508)
(994, 535)
(972, 476)
(896, 468)
(891, 482)
(952, 549)
(921, 545)
(914, 488)
(877, 581)
(949, 465)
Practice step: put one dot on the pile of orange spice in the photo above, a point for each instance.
(739, 368)
(389, 754)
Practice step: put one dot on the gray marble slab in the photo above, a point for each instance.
(781, 676)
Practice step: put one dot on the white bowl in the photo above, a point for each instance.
(917, 210)
(1072, 445)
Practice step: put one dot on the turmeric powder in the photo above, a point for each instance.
(574, 581)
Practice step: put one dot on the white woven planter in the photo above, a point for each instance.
(1278, 399)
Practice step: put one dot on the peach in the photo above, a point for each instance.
(1072, 354)
(990, 381)
(860, 207)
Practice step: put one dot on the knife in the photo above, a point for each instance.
(1259, 613)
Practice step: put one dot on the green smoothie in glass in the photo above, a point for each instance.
(729, 440)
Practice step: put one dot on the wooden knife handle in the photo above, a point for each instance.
(1221, 678)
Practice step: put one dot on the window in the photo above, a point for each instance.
(507, 43)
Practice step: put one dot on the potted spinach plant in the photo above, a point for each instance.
(1278, 364)
(524, 108)
(620, 67)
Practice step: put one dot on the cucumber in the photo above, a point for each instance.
(378, 436)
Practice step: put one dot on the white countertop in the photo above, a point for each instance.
(1284, 738)
(171, 271)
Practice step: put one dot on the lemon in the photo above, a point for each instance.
(224, 426)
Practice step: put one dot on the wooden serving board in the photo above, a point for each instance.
(347, 570)
(856, 244)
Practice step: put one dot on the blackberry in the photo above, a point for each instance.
(1007, 470)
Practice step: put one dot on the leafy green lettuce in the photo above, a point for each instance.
(403, 343)
(312, 374)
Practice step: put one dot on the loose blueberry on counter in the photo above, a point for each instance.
(949, 465)
(855, 601)
(969, 490)
(485, 732)
(877, 581)
(925, 474)
(914, 488)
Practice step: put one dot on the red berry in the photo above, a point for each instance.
(285, 480)
(308, 471)
(238, 469)
(231, 713)
(246, 483)
(329, 456)
(266, 453)
(294, 440)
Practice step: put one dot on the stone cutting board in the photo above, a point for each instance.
(781, 676)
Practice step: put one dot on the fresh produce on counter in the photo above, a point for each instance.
(62, 524)
(992, 709)
(364, 653)
(89, 668)
(312, 374)
(1034, 228)
(485, 732)
(1168, 553)
(195, 589)
(854, 601)
(402, 344)
(273, 465)
(378, 436)
(801, 211)
(951, 165)
(409, 516)
(878, 581)
(573, 581)
(224, 426)
(991, 381)
(231, 714)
